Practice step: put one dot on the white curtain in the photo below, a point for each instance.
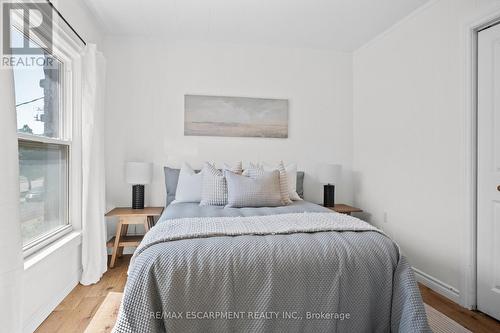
(11, 264)
(94, 252)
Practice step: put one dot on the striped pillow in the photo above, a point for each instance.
(214, 186)
(262, 191)
(291, 171)
(284, 184)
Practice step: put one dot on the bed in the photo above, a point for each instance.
(299, 268)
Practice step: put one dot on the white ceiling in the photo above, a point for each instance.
(343, 25)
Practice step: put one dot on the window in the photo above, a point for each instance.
(43, 172)
(45, 114)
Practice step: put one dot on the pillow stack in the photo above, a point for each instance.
(258, 186)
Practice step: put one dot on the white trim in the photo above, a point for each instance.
(42, 139)
(67, 49)
(75, 154)
(468, 296)
(45, 239)
(437, 285)
(73, 237)
(408, 17)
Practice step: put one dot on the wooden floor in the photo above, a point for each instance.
(77, 309)
(472, 320)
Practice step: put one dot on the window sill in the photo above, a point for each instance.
(74, 237)
(45, 240)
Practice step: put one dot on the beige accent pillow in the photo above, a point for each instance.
(256, 170)
(291, 172)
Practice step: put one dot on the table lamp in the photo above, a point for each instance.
(138, 174)
(329, 175)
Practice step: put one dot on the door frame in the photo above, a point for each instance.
(468, 281)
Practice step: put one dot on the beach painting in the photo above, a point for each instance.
(235, 116)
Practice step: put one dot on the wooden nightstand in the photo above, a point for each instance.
(345, 209)
(127, 216)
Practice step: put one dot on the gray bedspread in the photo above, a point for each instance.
(227, 274)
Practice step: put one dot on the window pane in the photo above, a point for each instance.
(43, 179)
(38, 92)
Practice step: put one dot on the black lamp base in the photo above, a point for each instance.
(138, 197)
(329, 195)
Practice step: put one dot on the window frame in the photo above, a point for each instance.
(45, 239)
(67, 48)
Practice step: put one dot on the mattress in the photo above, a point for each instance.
(192, 209)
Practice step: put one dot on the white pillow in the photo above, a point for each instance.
(291, 172)
(189, 185)
(214, 185)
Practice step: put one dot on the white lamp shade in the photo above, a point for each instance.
(329, 173)
(138, 173)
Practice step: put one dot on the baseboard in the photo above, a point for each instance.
(41, 314)
(437, 285)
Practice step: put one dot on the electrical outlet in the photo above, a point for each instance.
(386, 220)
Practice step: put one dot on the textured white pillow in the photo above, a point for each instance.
(214, 186)
(291, 173)
(189, 185)
(261, 191)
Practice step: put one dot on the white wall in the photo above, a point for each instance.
(146, 83)
(409, 140)
(53, 272)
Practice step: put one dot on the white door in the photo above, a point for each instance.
(488, 172)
